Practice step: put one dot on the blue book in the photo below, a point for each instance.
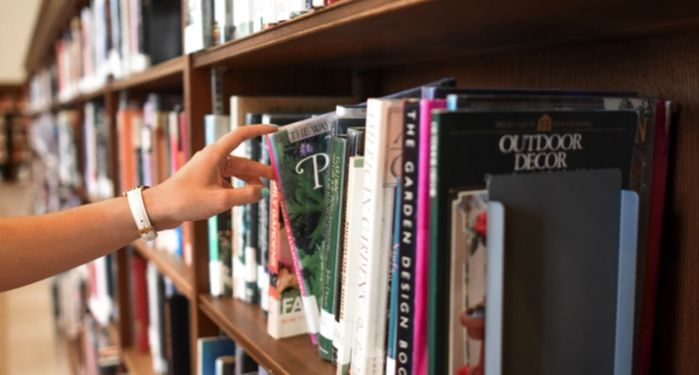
(210, 348)
(393, 298)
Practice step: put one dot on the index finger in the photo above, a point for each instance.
(232, 140)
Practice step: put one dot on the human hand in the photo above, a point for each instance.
(202, 188)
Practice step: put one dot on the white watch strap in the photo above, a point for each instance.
(140, 216)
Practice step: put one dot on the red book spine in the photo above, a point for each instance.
(661, 147)
(140, 305)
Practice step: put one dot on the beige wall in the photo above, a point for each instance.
(17, 19)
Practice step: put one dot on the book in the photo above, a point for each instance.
(177, 334)
(572, 284)
(300, 160)
(225, 365)
(219, 227)
(286, 317)
(210, 348)
(140, 302)
(331, 248)
(382, 167)
(355, 179)
(240, 106)
(391, 341)
(156, 334)
(408, 237)
(422, 245)
(511, 142)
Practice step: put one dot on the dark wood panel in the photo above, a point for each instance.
(663, 65)
(247, 325)
(197, 103)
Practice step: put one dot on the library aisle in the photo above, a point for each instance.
(28, 340)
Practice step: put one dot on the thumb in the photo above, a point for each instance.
(245, 195)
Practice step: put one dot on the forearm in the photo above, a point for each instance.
(35, 247)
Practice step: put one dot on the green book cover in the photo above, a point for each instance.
(331, 219)
(300, 160)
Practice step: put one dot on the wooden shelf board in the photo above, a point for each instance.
(165, 74)
(247, 325)
(170, 266)
(385, 32)
(137, 363)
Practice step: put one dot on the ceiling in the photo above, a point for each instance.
(17, 19)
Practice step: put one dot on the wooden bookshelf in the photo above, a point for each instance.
(170, 266)
(247, 325)
(372, 47)
(167, 74)
(137, 362)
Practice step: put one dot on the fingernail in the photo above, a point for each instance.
(264, 193)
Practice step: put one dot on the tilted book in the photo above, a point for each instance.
(300, 161)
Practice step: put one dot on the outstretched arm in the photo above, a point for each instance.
(35, 247)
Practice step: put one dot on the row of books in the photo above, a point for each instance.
(152, 146)
(55, 165)
(116, 38)
(214, 22)
(369, 197)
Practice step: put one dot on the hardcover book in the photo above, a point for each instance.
(562, 273)
(511, 142)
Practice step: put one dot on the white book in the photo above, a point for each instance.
(382, 151)
(155, 312)
(216, 126)
(194, 28)
(355, 182)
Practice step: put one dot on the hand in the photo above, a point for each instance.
(202, 188)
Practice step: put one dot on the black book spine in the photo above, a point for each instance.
(408, 233)
(179, 353)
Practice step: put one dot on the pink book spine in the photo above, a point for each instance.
(657, 207)
(423, 237)
(289, 233)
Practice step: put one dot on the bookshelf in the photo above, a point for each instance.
(369, 47)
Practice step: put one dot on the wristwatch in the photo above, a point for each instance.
(140, 216)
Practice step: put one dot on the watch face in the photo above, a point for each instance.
(148, 234)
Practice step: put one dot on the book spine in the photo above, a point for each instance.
(393, 296)
(332, 219)
(661, 149)
(423, 238)
(382, 137)
(355, 180)
(215, 284)
(263, 243)
(140, 305)
(310, 305)
(409, 181)
(252, 251)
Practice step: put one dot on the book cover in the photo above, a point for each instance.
(240, 107)
(467, 278)
(422, 243)
(210, 348)
(300, 161)
(382, 155)
(355, 179)
(286, 317)
(563, 235)
(511, 142)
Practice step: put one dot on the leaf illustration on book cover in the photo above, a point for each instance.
(301, 161)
